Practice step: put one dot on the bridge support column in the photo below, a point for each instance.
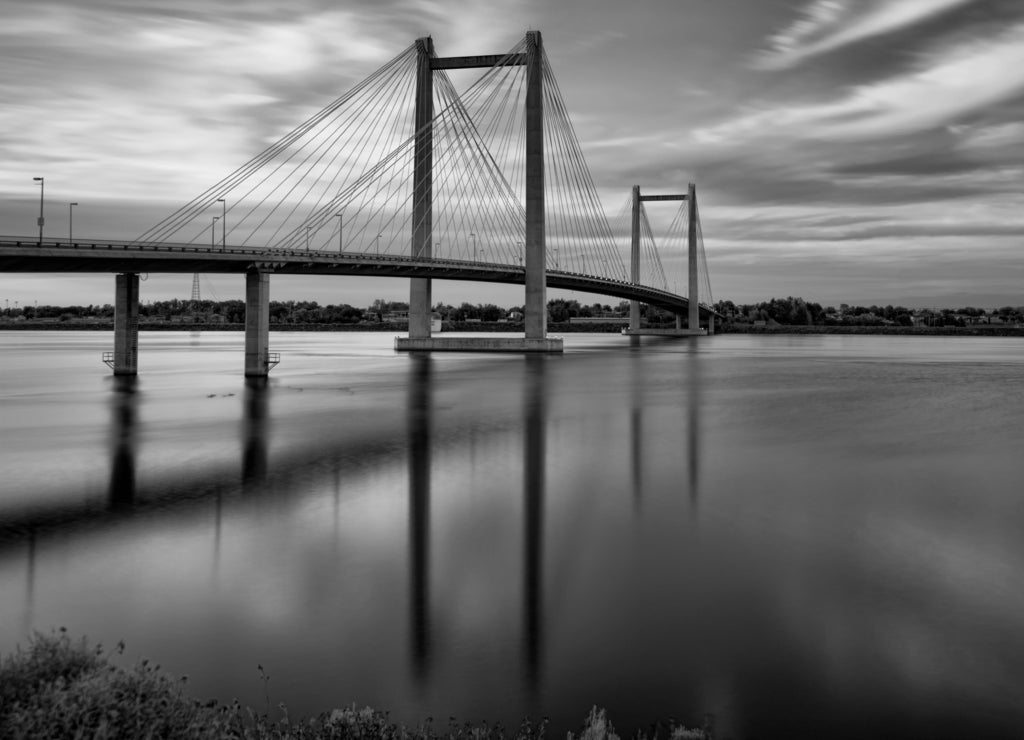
(423, 187)
(536, 310)
(634, 260)
(691, 254)
(126, 324)
(257, 324)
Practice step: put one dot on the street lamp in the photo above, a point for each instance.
(473, 237)
(378, 244)
(42, 186)
(520, 245)
(223, 224)
(213, 232)
(71, 221)
(307, 237)
(341, 222)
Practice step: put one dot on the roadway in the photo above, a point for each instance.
(22, 254)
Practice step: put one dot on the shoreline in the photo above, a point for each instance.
(981, 330)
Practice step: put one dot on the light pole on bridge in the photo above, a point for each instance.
(42, 187)
(473, 237)
(341, 223)
(223, 224)
(213, 232)
(71, 221)
(378, 244)
(307, 237)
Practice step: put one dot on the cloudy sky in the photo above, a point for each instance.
(843, 150)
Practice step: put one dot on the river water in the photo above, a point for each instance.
(815, 535)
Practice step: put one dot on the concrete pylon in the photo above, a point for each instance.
(126, 324)
(536, 310)
(691, 255)
(634, 260)
(535, 269)
(257, 324)
(422, 189)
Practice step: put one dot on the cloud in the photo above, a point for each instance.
(947, 85)
(157, 101)
(826, 25)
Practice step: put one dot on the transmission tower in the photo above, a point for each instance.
(195, 289)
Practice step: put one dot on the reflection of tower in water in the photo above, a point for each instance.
(534, 449)
(693, 384)
(121, 494)
(419, 411)
(30, 582)
(534, 446)
(692, 378)
(636, 427)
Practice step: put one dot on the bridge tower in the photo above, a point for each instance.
(535, 339)
(693, 303)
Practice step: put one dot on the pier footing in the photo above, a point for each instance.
(477, 344)
(665, 332)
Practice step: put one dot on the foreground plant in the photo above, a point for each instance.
(57, 688)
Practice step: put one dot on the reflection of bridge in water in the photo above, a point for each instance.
(485, 185)
(260, 474)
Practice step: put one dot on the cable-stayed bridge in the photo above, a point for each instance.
(404, 176)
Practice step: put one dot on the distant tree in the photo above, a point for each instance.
(490, 312)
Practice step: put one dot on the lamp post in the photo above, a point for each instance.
(42, 187)
(520, 245)
(223, 224)
(307, 237)
(71, 221)
(341, 223)
(213, 232)
(473, 237)
(378, 244)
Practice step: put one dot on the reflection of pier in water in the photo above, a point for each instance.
(124, 404)
(534, 445)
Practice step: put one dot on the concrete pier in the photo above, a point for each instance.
(478, 344)
(126, 324)
(257, 324)
(665, 332)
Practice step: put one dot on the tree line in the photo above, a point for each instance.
(788, 311)
(792, 311)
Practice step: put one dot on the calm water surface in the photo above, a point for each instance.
(813, 535)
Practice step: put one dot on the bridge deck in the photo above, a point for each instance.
(28, 255)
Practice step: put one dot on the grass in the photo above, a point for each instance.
(61, 688)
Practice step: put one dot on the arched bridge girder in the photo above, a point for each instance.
(23, 255)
